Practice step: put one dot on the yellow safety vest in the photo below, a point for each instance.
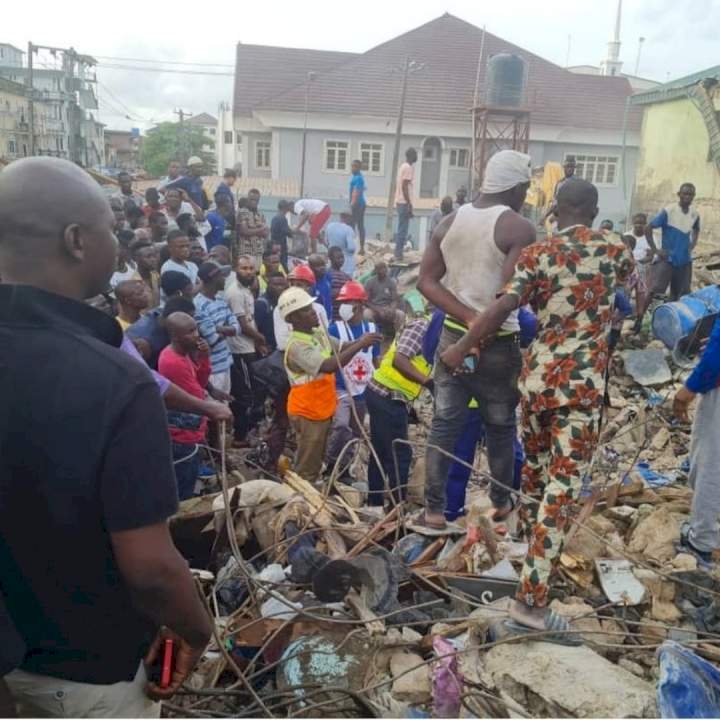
(388, 376)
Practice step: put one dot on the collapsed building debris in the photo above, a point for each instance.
(323, 610)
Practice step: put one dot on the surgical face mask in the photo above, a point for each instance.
(346, 311)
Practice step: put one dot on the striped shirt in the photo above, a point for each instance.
(209, 315)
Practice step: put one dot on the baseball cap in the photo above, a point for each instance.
(194, 160)
(210, 269)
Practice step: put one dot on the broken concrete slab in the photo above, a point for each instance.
(647, 367)
(412, 679)
(559, 681)
(655, 535)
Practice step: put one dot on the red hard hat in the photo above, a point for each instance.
(304, 273)
(352, 291)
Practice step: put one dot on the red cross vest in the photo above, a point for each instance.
(359, 371)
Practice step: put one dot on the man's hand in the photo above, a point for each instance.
(662, 254)
(202, 347)
(452, 357)
(183, 195)
(410, 210)
(262, 349)
(219, 395)
(218, 411)
(185, 658)
(369, 339)
(226, 330)
(681, 403)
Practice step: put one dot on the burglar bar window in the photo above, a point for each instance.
(371, 158)
(336, 156)
(262, 154)
(597, 169)
(459, 158)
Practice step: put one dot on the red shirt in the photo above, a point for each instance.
(192, 377)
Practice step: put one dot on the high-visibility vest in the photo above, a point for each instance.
(311, 396)
(388, 376)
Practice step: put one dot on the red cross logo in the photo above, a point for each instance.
(359, 372)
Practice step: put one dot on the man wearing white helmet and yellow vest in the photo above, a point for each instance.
(311, 365)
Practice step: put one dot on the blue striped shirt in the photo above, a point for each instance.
(209, 315)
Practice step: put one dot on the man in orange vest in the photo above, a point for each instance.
(311, 365)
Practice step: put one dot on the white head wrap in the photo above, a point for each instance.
(505, 170)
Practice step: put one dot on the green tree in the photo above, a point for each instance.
(169, 141)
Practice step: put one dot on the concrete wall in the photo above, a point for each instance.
(673, 150)
(249, 140)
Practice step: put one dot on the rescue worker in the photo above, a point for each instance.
(399, 380)
(353, 379)
(311, 365)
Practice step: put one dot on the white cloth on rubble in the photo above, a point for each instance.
(505, 170)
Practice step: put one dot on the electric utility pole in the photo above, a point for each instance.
(183, 145)
(409, 66)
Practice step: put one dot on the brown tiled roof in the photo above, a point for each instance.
(263, 71)
(448, 47)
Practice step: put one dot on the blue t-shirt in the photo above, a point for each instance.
(356, 331)
(216, 236)
(706, 375)
(341, 235)
(323, 291)
(677, 229)
(357, 182)
(193, 186)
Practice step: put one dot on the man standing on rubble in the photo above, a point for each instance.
(701, 535)
(569, 280)
(89, 597)
(680, 225)
(470, 257)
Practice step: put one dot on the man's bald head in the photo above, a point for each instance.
(577, 202)
(183, 331)
(66, 244)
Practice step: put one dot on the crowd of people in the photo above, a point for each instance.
(132, 333)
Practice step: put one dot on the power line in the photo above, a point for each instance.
(135, 68)
(162, 62)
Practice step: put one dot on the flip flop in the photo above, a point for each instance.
(500, 515)
(421, 526)
(553, 622)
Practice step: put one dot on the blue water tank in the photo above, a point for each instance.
(506, 77)
(674, 320)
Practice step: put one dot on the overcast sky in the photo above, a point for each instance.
(680, 38)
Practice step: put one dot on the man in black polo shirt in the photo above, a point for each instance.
(88, 570)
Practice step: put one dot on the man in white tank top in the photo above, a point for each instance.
(470, 257)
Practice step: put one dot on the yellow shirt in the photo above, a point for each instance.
(124, 324)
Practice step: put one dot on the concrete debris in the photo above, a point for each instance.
(554, 681)
(656, 535)
(412, 679)
(647, 367)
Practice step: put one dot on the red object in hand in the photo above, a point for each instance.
(167, 663)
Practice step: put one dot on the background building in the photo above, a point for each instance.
(14, 128)
(122, 149)
(680, 142)
(349, 104)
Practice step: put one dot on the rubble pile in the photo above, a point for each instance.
(323, 610)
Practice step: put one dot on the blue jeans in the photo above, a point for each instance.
(388, 422)
(459, 475)
(186, 461)
(403, 211)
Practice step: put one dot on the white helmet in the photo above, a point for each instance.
(293, 299)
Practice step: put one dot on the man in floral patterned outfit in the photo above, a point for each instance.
(569, 280)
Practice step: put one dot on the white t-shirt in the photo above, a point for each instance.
(282, 329)
(641, 247)
(118, 277)
(190, 269)
(242, 303)
(310, 206)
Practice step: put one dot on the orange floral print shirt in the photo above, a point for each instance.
(569, 280)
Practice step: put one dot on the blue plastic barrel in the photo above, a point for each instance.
(674, 320)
